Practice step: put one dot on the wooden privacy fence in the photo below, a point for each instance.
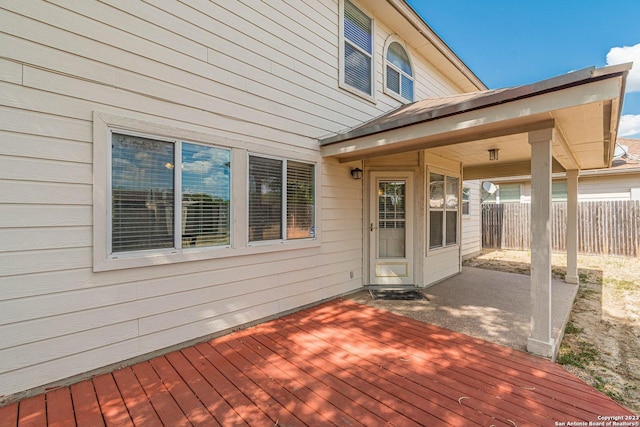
(604, 227)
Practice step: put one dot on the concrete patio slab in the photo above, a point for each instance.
(486, 304)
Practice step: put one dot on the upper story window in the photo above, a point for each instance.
(398, 72)
(281, 199)
(357, 56)
(167, 194)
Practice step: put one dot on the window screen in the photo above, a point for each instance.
(265, 199)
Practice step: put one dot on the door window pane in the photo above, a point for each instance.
(391, 219)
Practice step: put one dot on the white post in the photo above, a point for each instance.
(540, 342)
(572, 226)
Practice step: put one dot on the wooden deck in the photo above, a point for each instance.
(339, 363)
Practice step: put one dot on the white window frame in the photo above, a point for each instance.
(177, 198)
(283, 202)
(341, 62)
(397, 96)
(446, 174)
(99, 211)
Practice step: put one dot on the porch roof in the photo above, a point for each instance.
(340, 363)
(582, 106)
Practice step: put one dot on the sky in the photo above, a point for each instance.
(514, 42)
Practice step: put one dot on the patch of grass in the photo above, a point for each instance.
(572, 329)
(603, 387)
(622, 284)
(585, 353)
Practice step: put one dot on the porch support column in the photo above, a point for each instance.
(541, 342)
(572, 226)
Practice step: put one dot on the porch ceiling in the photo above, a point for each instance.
(583, 107)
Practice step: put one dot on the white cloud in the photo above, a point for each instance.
(621, 55)
(629, 124)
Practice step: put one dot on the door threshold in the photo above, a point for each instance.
(390, 287)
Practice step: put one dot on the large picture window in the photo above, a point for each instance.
(443, 210)
(281, 199)
(168, 194)
(357, 60)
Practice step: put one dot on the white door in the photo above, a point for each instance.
(391, 228)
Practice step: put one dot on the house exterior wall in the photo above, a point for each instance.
(472, 223)
(594, 186)
(254, 77)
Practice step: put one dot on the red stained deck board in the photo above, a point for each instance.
(32, 412)
(378, 404)
(60, 408)
(564, 392)
(9, 415)
(140, 409)
(270, 365)
(112, 406)
(85, 405)
(165, 406)
(188, 402)
(311, 389)
(264, 401)
(416, 398)
(458, 384)
(551, 382)
(227, 389)
(400, 366)
(339, 363)
(214, 402)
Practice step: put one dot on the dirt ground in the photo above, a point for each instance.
(602, 340)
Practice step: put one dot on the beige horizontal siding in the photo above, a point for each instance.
(259, 77)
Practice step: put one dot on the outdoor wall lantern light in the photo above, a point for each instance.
(356, 173)
(493, 154)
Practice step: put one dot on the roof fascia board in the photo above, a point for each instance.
(519, 110)
(423, 28)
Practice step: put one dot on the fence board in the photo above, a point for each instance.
(610, 227)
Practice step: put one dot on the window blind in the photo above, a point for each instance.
(265, 199)
(142, 194)
(393, 80)
(300, 200)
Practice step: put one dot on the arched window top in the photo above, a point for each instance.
(399, 80)
(398, 57)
